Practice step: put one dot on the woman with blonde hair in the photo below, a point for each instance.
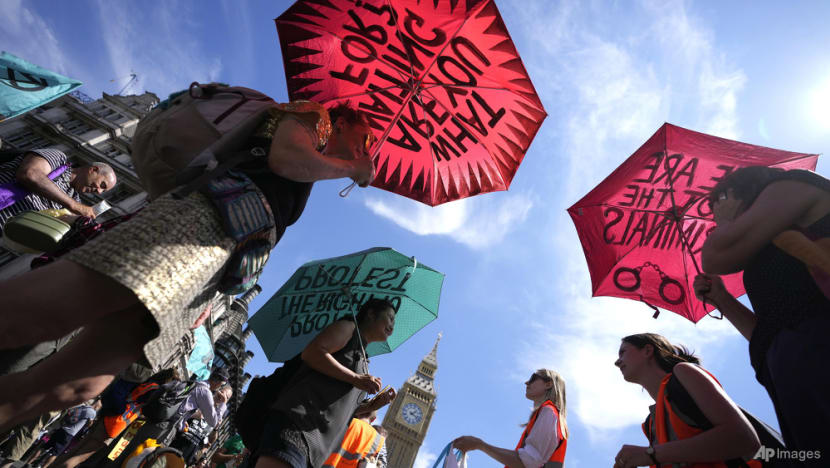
(694, 422)
(545, 438)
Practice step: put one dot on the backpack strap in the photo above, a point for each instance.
(684, 403)
(206, 176)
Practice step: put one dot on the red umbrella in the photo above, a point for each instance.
(642, 228)
(440, 80)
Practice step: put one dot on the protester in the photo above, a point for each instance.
(545, 438)
(191, 440)
(382, 459)
(30, 170)
(788, 329)
(313, 409)
(361, 443)
(201, 398)
(150, 277)
(708, 430)
(231, 453)
(120, 405)
(74, 421)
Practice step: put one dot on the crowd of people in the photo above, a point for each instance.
(67, 354)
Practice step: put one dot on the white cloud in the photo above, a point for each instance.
(614, 87)
(425, 457)
(477, 222)
(167, 57)
(693, 47)
(718, 93)
(583, 346)
(28, 36)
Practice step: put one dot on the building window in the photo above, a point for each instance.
(75, 126)
(28, 140)
(109, 149)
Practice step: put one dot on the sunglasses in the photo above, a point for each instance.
(535, 376)
(369, 141)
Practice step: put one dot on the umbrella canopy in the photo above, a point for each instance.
(441, 83)
(323, 291)
(25, 86)
(642, 228)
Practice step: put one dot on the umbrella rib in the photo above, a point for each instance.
(320, 29)
(795, 158)
(399, 33)
(680, 231)
(492, 88)
(367, 93)
(470, 130)
(686, 274)
(660, 212)
(452, 36)
(432, 157)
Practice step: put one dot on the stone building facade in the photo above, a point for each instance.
(101, 130)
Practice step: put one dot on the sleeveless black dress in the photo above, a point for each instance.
(316, 409)
(783, 294)
(789, 345)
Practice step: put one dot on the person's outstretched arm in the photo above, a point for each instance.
(539, 445)
(507, 457)
(293, 156)
(318, 356)
(731, 435)
(738, 237)
(711, 288)
(33, 175)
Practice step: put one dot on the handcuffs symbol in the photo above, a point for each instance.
(665, 282)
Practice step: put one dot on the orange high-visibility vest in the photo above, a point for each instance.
(666, 419)
(557, 459)
(361, 440)
(114, 425)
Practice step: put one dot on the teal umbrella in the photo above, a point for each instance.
(24, 85)
(323, 291)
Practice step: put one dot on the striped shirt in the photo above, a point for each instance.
(34, 202)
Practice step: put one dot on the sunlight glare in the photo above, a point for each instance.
(819, 105)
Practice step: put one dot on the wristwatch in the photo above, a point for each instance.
(651, 454)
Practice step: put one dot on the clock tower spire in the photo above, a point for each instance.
(407, 419)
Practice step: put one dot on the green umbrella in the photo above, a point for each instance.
(323, 291)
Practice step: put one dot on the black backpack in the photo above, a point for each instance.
(768, 436)
(252, 414)
(164, 403)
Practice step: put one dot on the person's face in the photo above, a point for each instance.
(355, 139)
(536, 386)
(90, 179)
(214, 384)
(726, 207)
(382, 327)
(632, 360)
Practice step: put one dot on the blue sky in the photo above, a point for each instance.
(517, 291)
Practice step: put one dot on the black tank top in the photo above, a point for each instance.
(781, 289)
(320, 407)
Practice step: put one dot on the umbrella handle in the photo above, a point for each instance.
(345, 192)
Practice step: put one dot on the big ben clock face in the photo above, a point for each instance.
(412, 413)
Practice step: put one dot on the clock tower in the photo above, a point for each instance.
(407, 419)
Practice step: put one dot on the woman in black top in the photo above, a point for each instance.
(788, 329)
(314, 408)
